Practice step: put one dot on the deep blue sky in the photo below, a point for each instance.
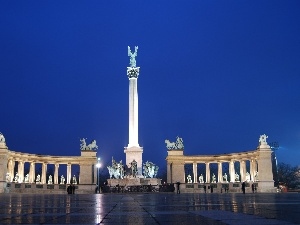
(216, 73)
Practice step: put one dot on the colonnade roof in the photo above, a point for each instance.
(26, 157)
(247, 155)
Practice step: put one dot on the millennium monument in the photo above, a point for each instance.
(135, 172)
(133, 151)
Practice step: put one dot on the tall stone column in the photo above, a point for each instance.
(44, 173)
(10, 169)
(133, 151)
(32, 172)
(231, 171)
(253, 169)
(21, 171)
(69, 173)
(56, 167)
(220, 176)
(169, 173)
(207, 179)
(243, 170)
(195, 172)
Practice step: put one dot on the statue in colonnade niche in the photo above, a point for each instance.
(178, 145)
(91, 146)
(247, 177)
(16, 179)
(150, 169)
(50, 181)
(225, 178)
(256, 176)
(116, 170)
(8, 178)
(189, 179)
(237, 177)
(62, 179)
(38, 179)
(201, 179)
(213, 178)
(26, 178)
(74, 181)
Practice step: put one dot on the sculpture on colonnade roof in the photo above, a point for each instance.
(263, 139)
(2, 138)
(91, 146)
(175, 145)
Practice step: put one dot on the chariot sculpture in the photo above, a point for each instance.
(91, 146)
(175, 145)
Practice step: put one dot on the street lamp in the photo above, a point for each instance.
(98, 165)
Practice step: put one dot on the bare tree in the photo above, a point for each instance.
(288, 175)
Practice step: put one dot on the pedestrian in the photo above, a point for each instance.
(178, 187)
(69, 189)
(204, 187)
(243, 187)
(73, 189)
(96, 189)
(211, 189)
(253, 188)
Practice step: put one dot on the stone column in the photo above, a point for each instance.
(44, 173)
(195, 172)
(231, 171)
(10, 169)
(69, 174)
(21, 171)
(207, 179)
(32, 172)
(56, 173)
(169, 173)
(253, 169)
(220, 176)
(243, 170)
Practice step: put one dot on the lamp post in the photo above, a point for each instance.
(98, 165)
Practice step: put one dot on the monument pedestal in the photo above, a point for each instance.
(265, 174)
(133, 182)
(88, 169)
(134, 153)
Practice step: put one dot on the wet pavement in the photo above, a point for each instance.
(156, 208)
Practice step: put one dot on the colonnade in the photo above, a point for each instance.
(86, 163)
(32, 176)
(259, 165)
(242, 173)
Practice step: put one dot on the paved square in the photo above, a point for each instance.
(156, 208)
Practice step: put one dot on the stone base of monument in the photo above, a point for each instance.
(231, 187)
(266, 187)
(33, 188)
(133, 182)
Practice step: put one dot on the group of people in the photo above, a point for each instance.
(71, 189)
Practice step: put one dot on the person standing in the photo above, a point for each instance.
(178, 187)
(243, 187)
(253, 187)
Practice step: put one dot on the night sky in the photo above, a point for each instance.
(216, 73)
